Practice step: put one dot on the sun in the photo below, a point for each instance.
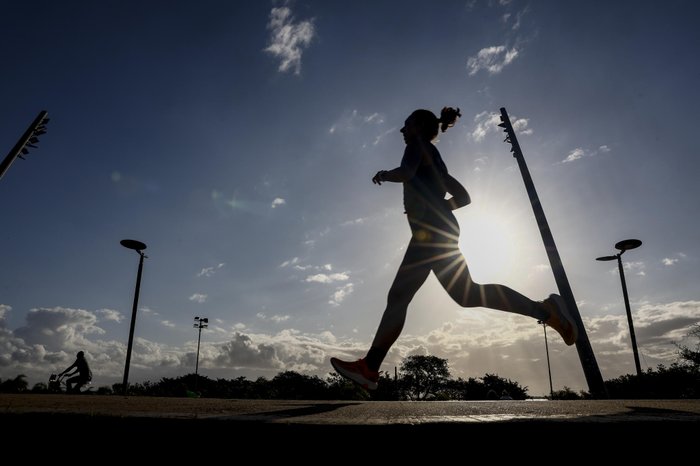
(489, 242)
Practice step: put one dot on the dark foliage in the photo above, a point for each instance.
(675, 381)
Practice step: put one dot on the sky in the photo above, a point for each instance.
(238, 141)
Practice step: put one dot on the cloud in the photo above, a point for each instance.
(357, 221)
(354, 120)
(288, 39)
(517, 20)
(278, 201)
(574, 155)
(328, 278)
(198, 297)
(110, 314)
(487, 122)
(542, 267)
(209, 271)
(4, 310)
(59, 327)
(579, 153)
(341, 293)
(242, 351)
(167, 323)
(275, 318)
(475, 341)
(636, 267)
(291, 261)
(492, 59)
(669, 261)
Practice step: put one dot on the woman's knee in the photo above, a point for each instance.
(468, 296)
(399, 296)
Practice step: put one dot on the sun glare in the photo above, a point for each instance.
(488, 241)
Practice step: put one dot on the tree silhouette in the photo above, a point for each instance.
(290, 385)
(689, 355)
(340, 388)
(423, 376)
(17, 385)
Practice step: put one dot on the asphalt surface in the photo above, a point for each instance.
(100, 419)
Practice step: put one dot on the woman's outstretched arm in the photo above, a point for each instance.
(412, 157)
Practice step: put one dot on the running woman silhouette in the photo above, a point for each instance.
(434, 247)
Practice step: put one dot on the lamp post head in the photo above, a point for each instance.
(627, 244)
(137, 246)
(201, 322)
(606, 258)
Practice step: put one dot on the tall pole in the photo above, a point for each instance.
(199, 323)
(546, 350)
(28, 139)
(196, 365)
(589, 364)
(137, 246)
(629, 315)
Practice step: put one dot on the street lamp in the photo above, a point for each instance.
(137, 246)
(199, 323)
(623, 246)
(546, 348)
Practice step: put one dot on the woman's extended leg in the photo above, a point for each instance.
(453, 274)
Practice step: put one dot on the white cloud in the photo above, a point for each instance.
(354, 120)
(198, 297)
(4, 309)
(574, 155)
(579, 153)
(636, 267)
(520, 125)
(357, 221)
(492, 59)
(278, 201)
(209, 271)
(167, 323)
(110, 314)
(328, 278)
(288, 39)
(542, 267)
(291, 261)
(341, 293)
(487, 122)
(668, 261)
(275, 318)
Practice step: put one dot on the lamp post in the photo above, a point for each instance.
(137, 246)
(199, 323)
(622, 246)
(546, 349)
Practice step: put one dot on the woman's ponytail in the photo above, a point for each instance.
(448, 117)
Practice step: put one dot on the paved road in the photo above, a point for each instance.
(643, 423)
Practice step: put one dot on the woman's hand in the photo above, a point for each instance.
(379, 177)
